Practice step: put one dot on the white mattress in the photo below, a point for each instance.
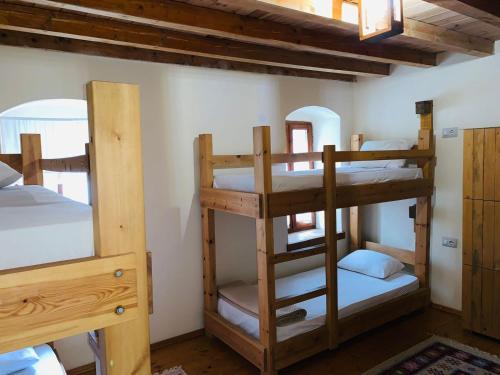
(356, 292)
(48, 363)
(299, 180)
(39, 226)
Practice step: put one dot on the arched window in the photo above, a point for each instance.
(309, 129)
(63, 126)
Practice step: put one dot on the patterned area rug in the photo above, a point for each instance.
(173, 371)
(439, 356)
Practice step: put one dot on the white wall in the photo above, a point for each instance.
(466, 94)
(178, 103)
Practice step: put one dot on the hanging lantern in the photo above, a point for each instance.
(379, 19)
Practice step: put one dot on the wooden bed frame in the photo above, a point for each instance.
(263, 205)
(107, 292)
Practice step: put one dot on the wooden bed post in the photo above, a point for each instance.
(265, 246)
(423, 216)
(355, 235)
(330, 184)
(118, 212)
(31, 151)
(208, 224)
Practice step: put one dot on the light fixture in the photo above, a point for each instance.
(379, 19)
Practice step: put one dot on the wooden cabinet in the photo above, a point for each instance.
(481, 231)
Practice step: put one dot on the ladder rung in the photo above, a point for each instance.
(299, 254)
(292, 300)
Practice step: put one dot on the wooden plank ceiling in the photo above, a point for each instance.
(248, 35)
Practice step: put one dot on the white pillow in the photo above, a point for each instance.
(17, 361)
(8, 175)
(387, 145)
(371, 263)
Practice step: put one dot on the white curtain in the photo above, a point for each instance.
(60, 138)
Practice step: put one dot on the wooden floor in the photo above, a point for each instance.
(210, 356)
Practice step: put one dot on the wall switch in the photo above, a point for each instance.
(450, 133)
(450, 242)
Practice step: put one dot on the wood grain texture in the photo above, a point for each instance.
(14, 161)
(355, 220)
(242, 203)
(403, 255)
(489, 164)
(92, 48)
(468, 167)
(122, 33)
(237, 339)
(246, 161)
(63, 299)
(205, 151)
(31, 151)
(331, 258)
(71, 164)
(478, 165)
(265, 246)
(467, 231)
(211, 22)
(118, 211)
(486, 11)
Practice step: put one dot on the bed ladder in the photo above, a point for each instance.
(267, 259)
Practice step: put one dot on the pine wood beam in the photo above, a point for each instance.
(448, 39)
(435, 36)
(487, 11)
(206, 21)
(59, 23)
(21, 39)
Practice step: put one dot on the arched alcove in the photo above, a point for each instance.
(326, 130)
(325, 124)
(63, 126)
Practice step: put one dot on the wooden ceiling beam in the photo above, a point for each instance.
(432, 35)
(76, 26)
(205, 21)
(487, 11)
(92, 48)
(447, 39)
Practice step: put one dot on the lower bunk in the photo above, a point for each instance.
(364, 303)
(37, 360)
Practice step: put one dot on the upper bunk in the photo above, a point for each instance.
(300, 192)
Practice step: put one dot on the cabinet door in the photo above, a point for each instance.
(481, 300)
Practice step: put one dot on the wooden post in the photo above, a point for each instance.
(355, 235)
(265, 246)
(31, 152)
(208, 225)
(330, 183)
(423, 216)
(89, 179)
(118, 210)
(337, 9)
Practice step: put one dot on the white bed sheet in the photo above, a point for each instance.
(47, 365)
(357, 292)
(39, 226)
(298, 180)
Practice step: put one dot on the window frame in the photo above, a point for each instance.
(296, 226)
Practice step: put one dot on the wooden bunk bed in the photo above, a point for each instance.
(106, 292)
(266, 352)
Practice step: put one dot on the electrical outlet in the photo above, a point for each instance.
(450, 242)
(450, 133)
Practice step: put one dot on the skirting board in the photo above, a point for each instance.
(446, 309)
(89, 369)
